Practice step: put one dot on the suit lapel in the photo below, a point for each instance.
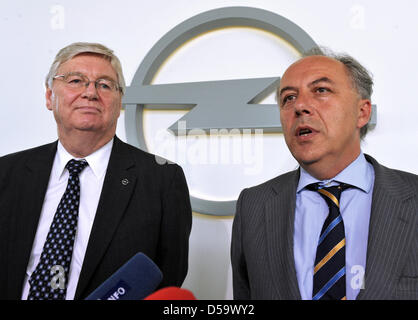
(117, 190)
(279, 221)
(392, 223)
(32, 189)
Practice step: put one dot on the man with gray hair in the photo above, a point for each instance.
(341, 226)
(74, 211)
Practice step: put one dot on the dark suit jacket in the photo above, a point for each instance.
(262, 241)
(151, 214)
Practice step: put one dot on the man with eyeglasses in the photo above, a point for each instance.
(72, 212)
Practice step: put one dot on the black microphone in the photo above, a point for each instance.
(135, 280)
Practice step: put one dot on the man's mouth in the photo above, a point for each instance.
(89, 109)
(304, 132)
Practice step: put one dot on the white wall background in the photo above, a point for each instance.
(380, 34)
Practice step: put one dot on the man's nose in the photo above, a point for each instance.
(90, 91)
(303, 105)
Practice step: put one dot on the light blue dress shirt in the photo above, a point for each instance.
(310, 215)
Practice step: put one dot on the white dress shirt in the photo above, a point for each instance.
(91, 183)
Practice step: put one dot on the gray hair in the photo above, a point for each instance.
(74, 49)
(362, 79)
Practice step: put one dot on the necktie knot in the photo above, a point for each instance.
(76, 166)
(330, 194)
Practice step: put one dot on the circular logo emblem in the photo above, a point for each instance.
(193, 27)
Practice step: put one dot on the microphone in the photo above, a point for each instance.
(136, 279)
(171, 293)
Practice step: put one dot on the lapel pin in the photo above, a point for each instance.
(125, 181)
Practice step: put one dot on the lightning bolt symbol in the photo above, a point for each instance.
(223, 104)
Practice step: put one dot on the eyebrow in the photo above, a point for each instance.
(104, 77)
(313, 83)
(286, 89)
(323, 79)
(107, 78)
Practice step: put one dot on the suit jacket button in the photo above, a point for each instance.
(125, 182)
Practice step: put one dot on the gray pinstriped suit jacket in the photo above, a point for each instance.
(262, 239)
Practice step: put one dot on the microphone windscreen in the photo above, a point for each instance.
(171, 293)
(135, 280)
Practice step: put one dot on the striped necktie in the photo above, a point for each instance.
(329, 272)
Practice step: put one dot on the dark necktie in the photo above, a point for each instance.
(50, 278)
(329, 272)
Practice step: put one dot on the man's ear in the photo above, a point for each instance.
(48, 98)
(365, 112)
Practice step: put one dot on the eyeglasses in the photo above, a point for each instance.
(78, 81)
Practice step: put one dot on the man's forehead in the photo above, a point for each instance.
(314, 61)
(90, 60)
(315, 66)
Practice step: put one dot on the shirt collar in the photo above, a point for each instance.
(97, 161)
(358, 174)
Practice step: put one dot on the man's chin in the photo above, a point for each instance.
(306, 160)
(87, 126)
